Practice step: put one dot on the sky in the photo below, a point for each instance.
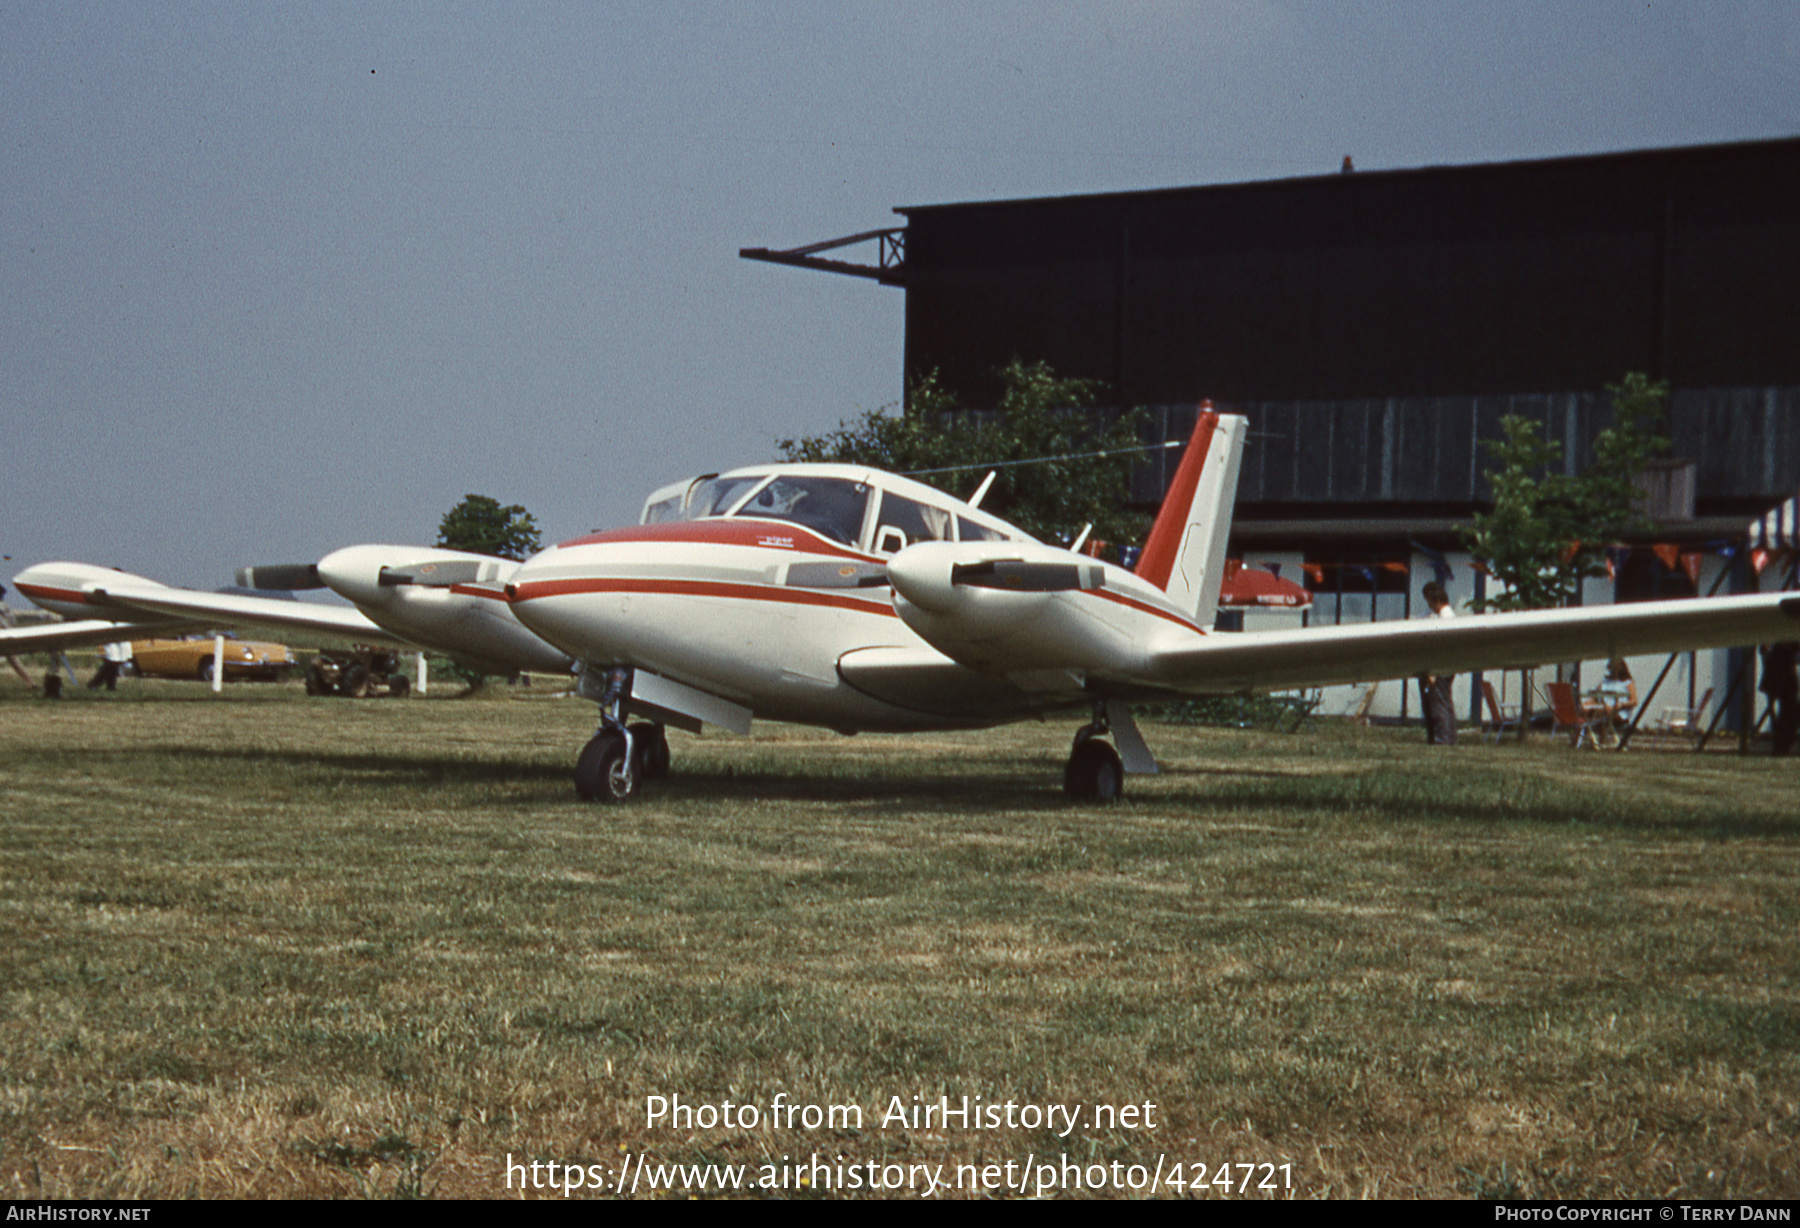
(281, 278)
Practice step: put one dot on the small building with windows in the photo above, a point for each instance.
(1375, 327)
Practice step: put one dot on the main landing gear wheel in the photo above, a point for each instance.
(1094, 773)
(651, 743)
(605, 773)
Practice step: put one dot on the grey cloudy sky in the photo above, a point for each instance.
(280, 278)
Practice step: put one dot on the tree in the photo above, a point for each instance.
(1549, 531)
(1043, 418)
(481, 526)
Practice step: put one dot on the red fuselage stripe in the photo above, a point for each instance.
(1135, 604)
(701, 588)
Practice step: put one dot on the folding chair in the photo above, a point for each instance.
(1684, 720)
(1566, 710)
(1498, 721)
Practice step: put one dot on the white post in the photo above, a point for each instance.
(422, 675)
(218, 663)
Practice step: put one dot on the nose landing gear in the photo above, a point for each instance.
(620, 758)
(606, 771)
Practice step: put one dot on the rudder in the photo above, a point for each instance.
(1185, 552)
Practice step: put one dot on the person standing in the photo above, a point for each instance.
(1781, 683)
(1434, 689)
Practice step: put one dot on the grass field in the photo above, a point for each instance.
(265, 945)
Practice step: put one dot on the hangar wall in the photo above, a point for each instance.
(1376, 327)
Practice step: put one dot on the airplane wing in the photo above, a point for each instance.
(1323, 656)
(54, 637)
(224, 609)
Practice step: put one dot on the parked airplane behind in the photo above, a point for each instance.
(447, 601)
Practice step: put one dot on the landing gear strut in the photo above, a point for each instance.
(620, 757)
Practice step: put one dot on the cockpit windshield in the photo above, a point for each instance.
(832, 506)
(838, 507)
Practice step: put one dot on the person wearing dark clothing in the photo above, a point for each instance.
(1434, 689)
(1781, 683)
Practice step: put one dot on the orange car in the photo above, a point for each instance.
(193, 658)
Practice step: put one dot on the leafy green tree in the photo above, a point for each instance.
(1043, 419)
(1548, 530)
(480, 525)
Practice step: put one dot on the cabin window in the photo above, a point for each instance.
(905, 522)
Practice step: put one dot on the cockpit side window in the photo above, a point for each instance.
(832, 506)
(905, 522)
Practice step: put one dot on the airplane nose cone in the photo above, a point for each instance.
(354, 573)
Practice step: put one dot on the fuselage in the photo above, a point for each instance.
(844, 597)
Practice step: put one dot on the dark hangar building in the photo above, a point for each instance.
(1376, 326)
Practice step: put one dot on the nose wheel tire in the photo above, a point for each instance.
(1094, 773)
(605, 773)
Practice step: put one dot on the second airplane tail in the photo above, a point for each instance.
(1185, 552)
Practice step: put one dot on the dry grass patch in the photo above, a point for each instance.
(264, 945)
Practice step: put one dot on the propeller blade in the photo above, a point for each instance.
(283, 576)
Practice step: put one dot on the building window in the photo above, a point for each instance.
(1645, 577)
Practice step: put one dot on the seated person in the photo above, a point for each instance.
(1616, 696)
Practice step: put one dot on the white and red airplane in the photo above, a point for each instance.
(448, 601)
(853, 599)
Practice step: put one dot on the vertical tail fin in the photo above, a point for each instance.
(1185, 553)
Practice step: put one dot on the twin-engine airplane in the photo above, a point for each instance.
(448, 601)
(852, 599)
